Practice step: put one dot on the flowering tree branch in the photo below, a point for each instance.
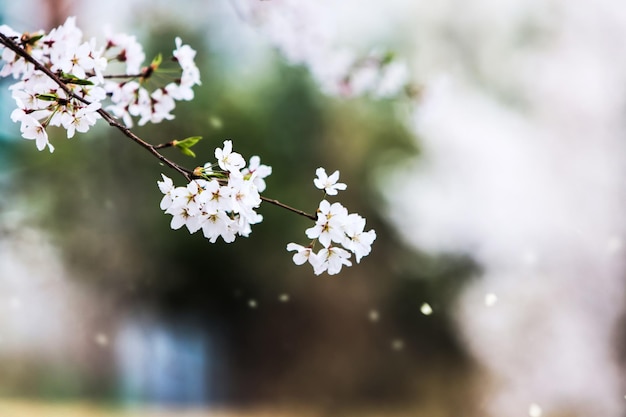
(188, 174)
(62, 83)
(13, 46)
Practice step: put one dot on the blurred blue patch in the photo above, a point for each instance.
(163, 362)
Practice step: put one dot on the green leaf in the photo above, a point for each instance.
(78, 81)
(34, 38)
(47, 97)
(188, 152)
(185, 145)
(156, 62)
(72, 79)
(189, 142)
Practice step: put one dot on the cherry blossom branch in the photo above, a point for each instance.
(112, 121)
(219, 198)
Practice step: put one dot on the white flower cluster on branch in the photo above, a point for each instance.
(61, 81)
(334, 226)
(223, 202)
(81, 65)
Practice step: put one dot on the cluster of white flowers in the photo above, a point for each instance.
(305, 33)
(131, 98)
(334, 226)
(41, 102)
(223, 202)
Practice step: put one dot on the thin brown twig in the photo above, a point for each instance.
(109, 76)
(164, 145)
(285, 206)
(129, 133)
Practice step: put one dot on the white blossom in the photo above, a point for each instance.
(328, 183)
(227, 159)
(258, 172)
(82, 119)
(329, 225)
(356, 239)
(216, 198)
(218, 224)
(302, 255)
(166, 186)
(76, 61)
(126, 49)
(32, 129)
(331, 259)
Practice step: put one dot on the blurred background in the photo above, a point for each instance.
(495, 285)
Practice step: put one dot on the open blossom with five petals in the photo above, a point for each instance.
(76, 61)
(357, 240)
(331, 259)
(329, 225)
(180, 215)
(219, 224)
(328, 183)
(215, 197)
(243, 194)
(303, 254)
(81, 120)
(229, 160)
(32, 129)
